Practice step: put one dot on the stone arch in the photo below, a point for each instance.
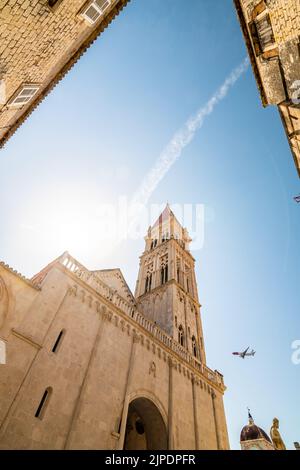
(146, 427)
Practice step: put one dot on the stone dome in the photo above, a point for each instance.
(251, 432)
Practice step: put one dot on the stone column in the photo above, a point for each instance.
(186, 325)
(171, 225)
(194, 282)
(120, 444)
(216, 419)
(172, 252)
(196, 427)
(170, 405)
(200, 335)
(160, 230)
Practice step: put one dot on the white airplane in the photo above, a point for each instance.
(244, 353)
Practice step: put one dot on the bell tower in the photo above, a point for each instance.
(166, 289)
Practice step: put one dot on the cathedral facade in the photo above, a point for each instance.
(89, 365)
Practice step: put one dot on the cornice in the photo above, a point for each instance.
(19, 275)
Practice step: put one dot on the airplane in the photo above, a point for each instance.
(297, 198)
(244, 353)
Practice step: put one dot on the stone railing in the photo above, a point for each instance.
(97, 284)
(105, 291)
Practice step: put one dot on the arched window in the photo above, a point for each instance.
(180, 335)
(58, 341)
(164, 274)
(148, 283)
(194, 346)
(43, 403)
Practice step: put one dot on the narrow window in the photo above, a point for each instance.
(176, 321)
(187, 285)
(162, 275)
(180, 336)
(58, 341)
(146, 285)
(166, 274)
(43, 403)
(178, 274)
(194, 347)
(150, 282)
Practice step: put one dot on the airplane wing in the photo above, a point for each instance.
(245, 352)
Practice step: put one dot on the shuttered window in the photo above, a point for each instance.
(264, 31)
(95, 9)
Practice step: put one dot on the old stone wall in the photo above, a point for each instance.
(104, 361)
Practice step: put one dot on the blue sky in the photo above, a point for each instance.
(101, 130)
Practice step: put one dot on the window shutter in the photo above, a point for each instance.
(265, 31)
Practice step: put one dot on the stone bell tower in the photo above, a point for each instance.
(166, 289)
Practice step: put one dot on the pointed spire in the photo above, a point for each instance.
(166, 214)
(251, 420)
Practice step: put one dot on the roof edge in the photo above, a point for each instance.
(19, 275)
(244, 29)
(64, 70)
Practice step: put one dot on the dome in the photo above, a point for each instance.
(251, 432)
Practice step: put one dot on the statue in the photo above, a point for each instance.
(275, 436)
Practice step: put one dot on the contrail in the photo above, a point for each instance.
(182, 138)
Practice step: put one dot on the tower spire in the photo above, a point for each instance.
(166, 288)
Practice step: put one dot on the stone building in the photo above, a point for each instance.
(40, 40)
(90, 366)
(271, 30)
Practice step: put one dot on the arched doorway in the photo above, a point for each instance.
(145, 427)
